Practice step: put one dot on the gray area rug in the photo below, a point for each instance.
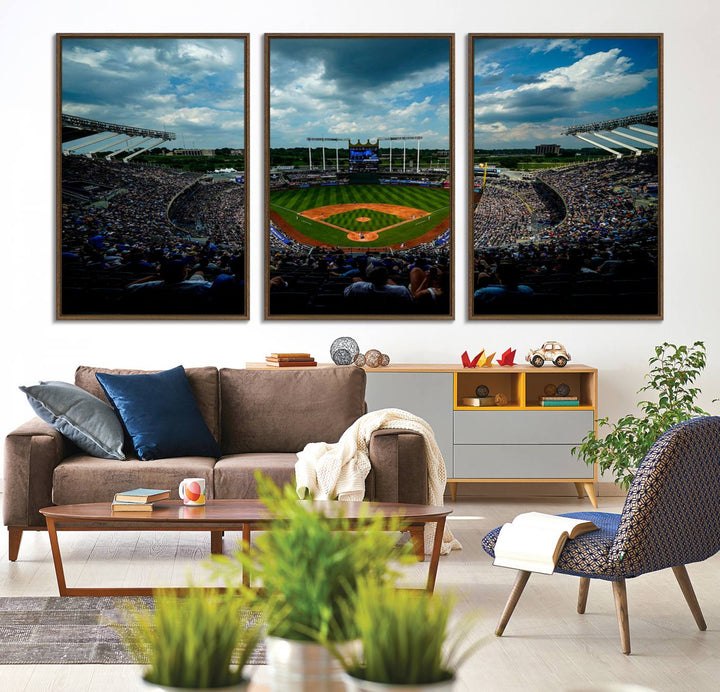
(69, 630)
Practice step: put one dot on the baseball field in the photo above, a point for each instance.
(361, 215)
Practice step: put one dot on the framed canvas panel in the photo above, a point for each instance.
(359, 176)
(565, 173)
(152, 174)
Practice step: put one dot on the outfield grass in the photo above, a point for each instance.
(287, 203)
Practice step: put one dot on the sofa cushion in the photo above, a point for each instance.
(203, 382)
(83, 418)
(81, 478)
(281, 411)
(160, 413)
(235, 475)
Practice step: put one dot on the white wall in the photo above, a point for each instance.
(38, 347)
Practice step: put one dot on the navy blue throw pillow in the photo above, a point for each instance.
(160, 413)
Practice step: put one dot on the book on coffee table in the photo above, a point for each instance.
(141, 496)
(131, 506)
(533, 541)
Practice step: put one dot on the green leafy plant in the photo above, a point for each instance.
(405, 637)
(199, 640)
(673, 372)
(310, 560)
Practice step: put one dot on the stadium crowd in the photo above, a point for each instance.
(602, 258)
(122, 255)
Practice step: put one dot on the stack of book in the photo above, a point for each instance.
(138, 500)
(559, 401)
(290, 360)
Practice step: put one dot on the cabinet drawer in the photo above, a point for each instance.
(519, 461)
(522, 427)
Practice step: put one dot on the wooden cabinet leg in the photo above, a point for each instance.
(583, 594)
(686, 587)
(417, 536)
(580, 490)
(216, 542)
(14, 538)
(590, 490)
(621, 608)
(520, 581)
(453, 491)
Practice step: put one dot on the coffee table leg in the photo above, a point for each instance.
(435, 557)
(245, 548)
(57, 558)
(216, 542)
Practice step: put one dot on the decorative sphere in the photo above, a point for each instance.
(550, 390)
(563, 389)
(482, 390)
(500, 399)
(342, 357)
(347, 344)
(385, 360)
(373, 358)
(359, 360)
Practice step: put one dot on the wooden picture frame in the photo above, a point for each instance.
(152, 171)
(359, 132)
(571, 229)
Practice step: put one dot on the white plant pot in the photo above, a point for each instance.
(239, 687)
(357, 685)
(295, 666)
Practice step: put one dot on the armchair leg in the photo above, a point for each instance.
(520, 581)
(417, 536)
(686, 587)
(14, 538)
(620, 594)
(583, 594)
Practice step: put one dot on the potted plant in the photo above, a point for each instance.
(405, 641)
(673, 372)
(310, 565)
(198, 641)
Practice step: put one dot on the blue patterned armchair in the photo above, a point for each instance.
(671, 518)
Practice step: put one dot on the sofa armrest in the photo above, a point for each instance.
(399, 468)
(32, 452)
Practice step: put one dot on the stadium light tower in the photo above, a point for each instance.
(404, 141)
(323, 140)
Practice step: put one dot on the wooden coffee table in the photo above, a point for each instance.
(217, 516)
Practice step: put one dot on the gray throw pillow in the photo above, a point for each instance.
(83, 418)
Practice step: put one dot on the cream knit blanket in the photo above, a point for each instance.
(329, 471)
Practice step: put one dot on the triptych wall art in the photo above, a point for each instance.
(563, 184)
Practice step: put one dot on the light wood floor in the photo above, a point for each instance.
(547, 646)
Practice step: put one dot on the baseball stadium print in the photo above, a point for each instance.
(359, 184)
(152, 176)
(565, 176)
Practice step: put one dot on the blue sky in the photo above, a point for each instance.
(527, 91)
(191, 86)
(359, 88)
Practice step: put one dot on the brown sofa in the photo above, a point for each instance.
(260, 418)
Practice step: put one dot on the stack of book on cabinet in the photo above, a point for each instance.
(290, 360)
(559, 401)
(138, 500)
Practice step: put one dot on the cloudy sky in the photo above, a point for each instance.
(193, 87)
(359, 88)
(527, 91)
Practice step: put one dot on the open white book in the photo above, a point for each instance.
(533, 541)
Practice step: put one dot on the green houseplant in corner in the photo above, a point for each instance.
(199, 641)
(405, 641)
(310, 562)
(673, 372)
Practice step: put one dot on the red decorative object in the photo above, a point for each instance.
(508, 357)
(467, 363)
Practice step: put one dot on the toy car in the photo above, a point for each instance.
(551, 350)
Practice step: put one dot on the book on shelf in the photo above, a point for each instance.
(131, 506)
(141, 496)
(550, 404)
(558, 398)
(303, 356)
(533, 541)
(290, 363)
(288, 359)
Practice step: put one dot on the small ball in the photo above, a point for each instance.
(563, 389)
(373, 357)
(359, 360)
(385, 360)
(550, 390)
(482, 391)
